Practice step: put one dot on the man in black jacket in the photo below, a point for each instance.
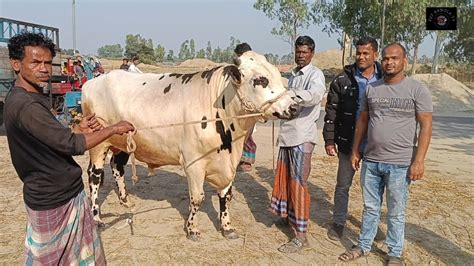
(342, 111)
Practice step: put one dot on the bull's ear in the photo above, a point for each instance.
(233, 72)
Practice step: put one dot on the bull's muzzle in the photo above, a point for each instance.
(293, 111)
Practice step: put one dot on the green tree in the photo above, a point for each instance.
(70, 52)
(110, 51)
(217, 55)
(192, 48)
(460, 46)
(292, 15)
(170, 57)
(160, 53)
(227, 55)
(184, 51)
(272, 58)
(386, 20)
(407, 21)
(135, 45)
(349, 19)
(201, 54)
(209, 50)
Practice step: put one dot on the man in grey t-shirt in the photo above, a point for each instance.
(393, 108)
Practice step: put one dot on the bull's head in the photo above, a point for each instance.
(260, 87)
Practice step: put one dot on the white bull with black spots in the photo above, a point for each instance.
(209, 150)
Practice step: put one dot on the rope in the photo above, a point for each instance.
(247, 106)
(132, 146)
(273, 147)
(202, 121)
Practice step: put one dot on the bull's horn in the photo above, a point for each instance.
(237, 61)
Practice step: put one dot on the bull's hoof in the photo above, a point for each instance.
(230, 234)
(194, 236)
(100, 224)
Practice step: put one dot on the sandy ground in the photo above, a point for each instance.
(439, 229)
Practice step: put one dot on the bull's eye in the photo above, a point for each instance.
(262, 81)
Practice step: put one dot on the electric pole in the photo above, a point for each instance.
(74, 26)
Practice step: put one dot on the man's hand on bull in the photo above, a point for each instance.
(122, 127)
(88, 124)
(294, 97)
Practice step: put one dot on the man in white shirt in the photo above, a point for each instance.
(297, 138)
(133, 67)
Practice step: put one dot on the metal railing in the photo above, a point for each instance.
(10, 27)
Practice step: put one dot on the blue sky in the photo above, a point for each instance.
(166, 22)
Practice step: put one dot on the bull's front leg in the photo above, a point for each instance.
(225, 196)
(195, 177)
(117, 163)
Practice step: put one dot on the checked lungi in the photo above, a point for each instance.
(290, 195)
(250, 149)
(63, 236)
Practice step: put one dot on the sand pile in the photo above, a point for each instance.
(449, 95)
(198, 62)
(328, 59)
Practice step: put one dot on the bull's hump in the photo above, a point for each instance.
(207, 75)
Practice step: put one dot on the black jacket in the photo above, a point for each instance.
(341, 109)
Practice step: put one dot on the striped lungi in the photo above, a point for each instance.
(250, 149)
(290, 195)
(63, 236)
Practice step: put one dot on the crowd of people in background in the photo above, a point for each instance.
(80, 71)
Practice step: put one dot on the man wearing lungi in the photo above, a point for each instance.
(60, 229)
(297, 137)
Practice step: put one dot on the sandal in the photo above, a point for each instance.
(394, 261)
(294, 245)
(353, 254)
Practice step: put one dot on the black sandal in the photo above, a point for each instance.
(353, 254)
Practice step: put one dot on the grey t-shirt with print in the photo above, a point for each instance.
(392, 130)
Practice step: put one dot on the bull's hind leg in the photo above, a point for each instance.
(117, 163)
(96, 177)
(196, 198)
(225, 196)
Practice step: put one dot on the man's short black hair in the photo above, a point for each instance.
(242, 48)
(368, 40)
(135, 58)
(305, 40)
(395, 44)
(17, 44)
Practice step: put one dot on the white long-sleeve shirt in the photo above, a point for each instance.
(308, 87)
(134, 69)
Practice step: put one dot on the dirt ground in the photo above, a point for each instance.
(439, 229)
